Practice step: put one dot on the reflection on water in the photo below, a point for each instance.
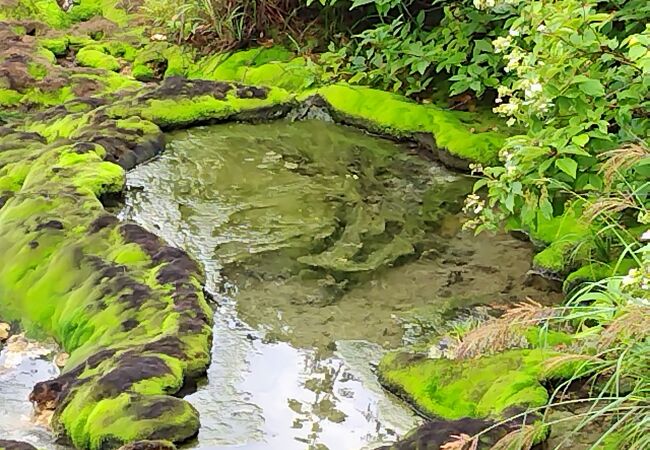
(263, 395)
(249, 202)
(23, 363)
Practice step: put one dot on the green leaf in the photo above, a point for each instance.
(545, 207)
(421, 66)
(357, 3)
(568, 166)
(580, 140)
(592, 87)
(573, 150)
(637, 52)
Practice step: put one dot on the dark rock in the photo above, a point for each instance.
(149, 445)
(15, 445)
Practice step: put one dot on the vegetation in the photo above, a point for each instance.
(568, 81)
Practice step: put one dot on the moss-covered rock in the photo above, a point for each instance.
(57, 45)
(566, 240)
(455, 134)
(91, 57)
(47, 11)
(487, 387)
(129, 309)
(433, 435)
(273, 66)
(149, 445)
(596, 271)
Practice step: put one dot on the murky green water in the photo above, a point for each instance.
(323, 247)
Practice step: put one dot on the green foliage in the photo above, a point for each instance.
(227, 24)
(404, 54)
(580, 85)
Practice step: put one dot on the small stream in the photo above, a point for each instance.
(323, 247)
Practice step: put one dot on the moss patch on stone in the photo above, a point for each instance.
(566, 238)
(9, 97)
(391, 114)
(489, 386)
(90, 57)
(274, 66)
(47, 11)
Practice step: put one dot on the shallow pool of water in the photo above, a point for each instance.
(319, 243)
(323, 247)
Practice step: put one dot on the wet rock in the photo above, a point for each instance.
(15, 445)
(435, 434)
(149, 445)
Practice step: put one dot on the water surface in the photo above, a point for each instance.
(323, 247)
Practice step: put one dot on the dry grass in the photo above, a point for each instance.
(521, 439)
(461, 442)
(632, 324)
(503, 333)
(609, 205)
(615, 166)
(557, 363)
(618, 161)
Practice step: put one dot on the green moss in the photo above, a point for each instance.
(556, 258)
(176, 112)
(234, 66)
(567, 238)
(20, 30)
(483, 387)
(46, 226)
(9, 97)
(47, 11)
(114, 420)
(114, 13)
(263, 67)
(36, 70)
(178, 60)
(596, 271)
(78, 41)
(37, 96)
(111, 81)
(539, 338)
(90, 57)
(150, 62)
(58, 45)
(455, 132)
(83, 10)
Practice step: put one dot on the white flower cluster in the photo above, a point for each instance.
(473, 204)
(509, 162)
(637, 279)
(489, 4)
(527, 91)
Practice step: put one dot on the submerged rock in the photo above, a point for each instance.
(149, 445)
